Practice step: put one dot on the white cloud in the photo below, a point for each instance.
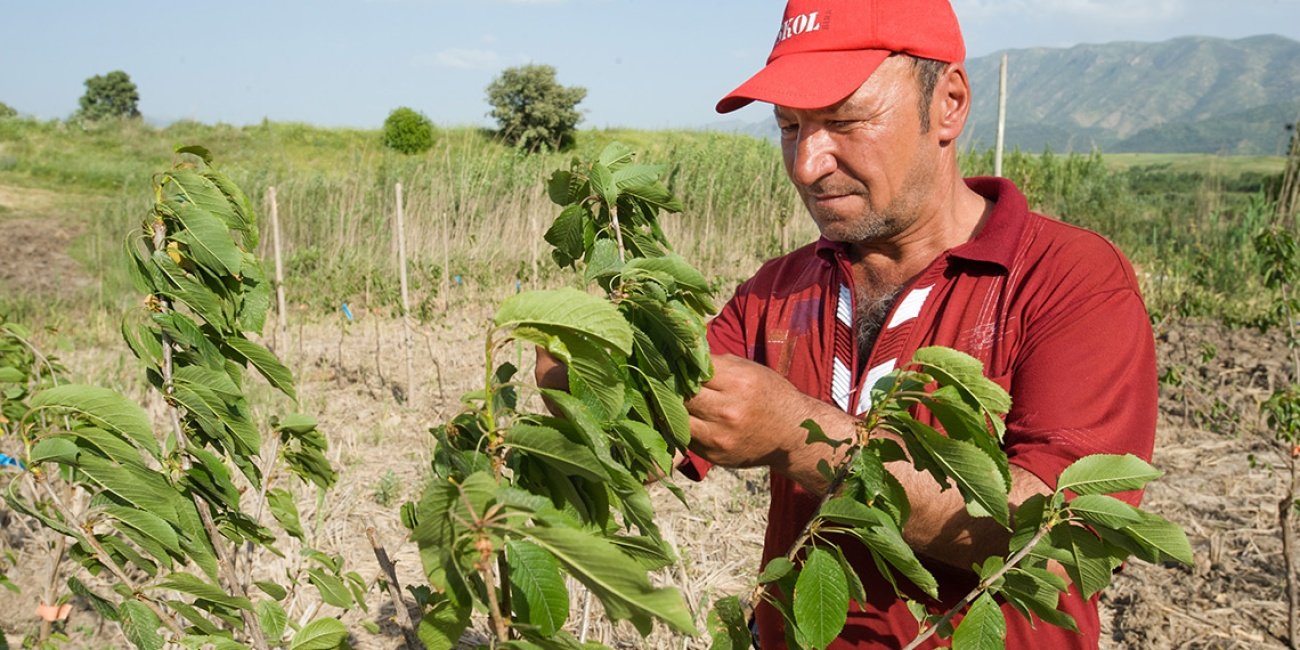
(461, 59)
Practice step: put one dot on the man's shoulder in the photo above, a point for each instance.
(1075, 255)
(800, 264)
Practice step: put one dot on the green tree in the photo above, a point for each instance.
(7, 111)
(110, 95)
(408, 131)
(532, 109)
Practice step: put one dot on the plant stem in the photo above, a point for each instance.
(500, 626)
(394, 591)
(1285, 507)
(106, 560)
(227, 564)
(982, 587)
(864, 428)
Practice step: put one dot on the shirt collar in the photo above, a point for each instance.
(996, 241)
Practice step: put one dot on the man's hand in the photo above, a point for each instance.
(749, 415)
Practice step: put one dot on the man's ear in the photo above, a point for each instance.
(951, 103)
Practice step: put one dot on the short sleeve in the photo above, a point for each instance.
(1084, 382)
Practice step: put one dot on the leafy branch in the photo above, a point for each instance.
(166, 518)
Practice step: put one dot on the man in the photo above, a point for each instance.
(870, 97)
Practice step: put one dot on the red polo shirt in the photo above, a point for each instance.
(1054, 313)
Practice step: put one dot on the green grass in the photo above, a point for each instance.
(1199, 163)
(475, 209)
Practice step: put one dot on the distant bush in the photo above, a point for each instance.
(7, 111)
(110, 95)
(408, 131)
(533, 110)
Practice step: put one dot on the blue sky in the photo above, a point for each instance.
(645, 63)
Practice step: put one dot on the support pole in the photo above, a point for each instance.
(1002, 117)
(406, 303)
(281, 314)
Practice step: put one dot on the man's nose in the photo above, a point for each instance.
(813, 156)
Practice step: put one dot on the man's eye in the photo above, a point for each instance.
(788, 129)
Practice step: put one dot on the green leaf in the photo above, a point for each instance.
(615, 155)
(1037, 591)
(538, 585)
(208, 240)
(331, 588)
(1106, 474)
(285, 510)
(602, 182)
(560, 187)
(569, 309)
(673, 265)
(10, 375)
(727, 626)
(982, 628)
(105, 408)
(821, 599)
(673, 418)
(1102, 510)
(566, 234)
(603, 261)
(101, 605)
(619, 583)
(966, 373)
(442, 625)
(976, 475)
(186, 583)
(320, 634)
(140, 625)
(777, 568)
(886, 542)
(554, 449)
(1156, 538)
(59, 450)
(272, 619)
(144, 489)
(271, 589)
(817, 435)
(265, 362)
(150, 525)
(1089, 561)
(857, 592)
(196, 150)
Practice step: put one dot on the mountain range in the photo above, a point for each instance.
(1190, 94)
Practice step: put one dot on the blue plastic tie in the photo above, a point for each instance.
(346, 312)
(9, 461)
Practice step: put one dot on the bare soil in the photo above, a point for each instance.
(352, 375)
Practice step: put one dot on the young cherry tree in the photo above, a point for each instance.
(520, 498)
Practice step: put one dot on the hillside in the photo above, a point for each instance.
(1190, 94)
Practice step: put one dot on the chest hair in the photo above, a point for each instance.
(871, 306)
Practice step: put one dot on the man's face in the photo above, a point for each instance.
(862, 166)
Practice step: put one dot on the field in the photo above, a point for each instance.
(474, 214)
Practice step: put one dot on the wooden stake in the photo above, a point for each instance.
(394, 591)
(1002, 117)
(281, 315)
(446, 262)
(406, 303)
(537, 236)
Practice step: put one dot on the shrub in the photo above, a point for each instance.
(110, 95)
(7, 111)
(532, 109)
(408, 131)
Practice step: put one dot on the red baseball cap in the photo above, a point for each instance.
(826, 49)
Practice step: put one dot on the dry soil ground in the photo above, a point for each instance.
(351, 376)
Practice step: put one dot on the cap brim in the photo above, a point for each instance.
(806, 79)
